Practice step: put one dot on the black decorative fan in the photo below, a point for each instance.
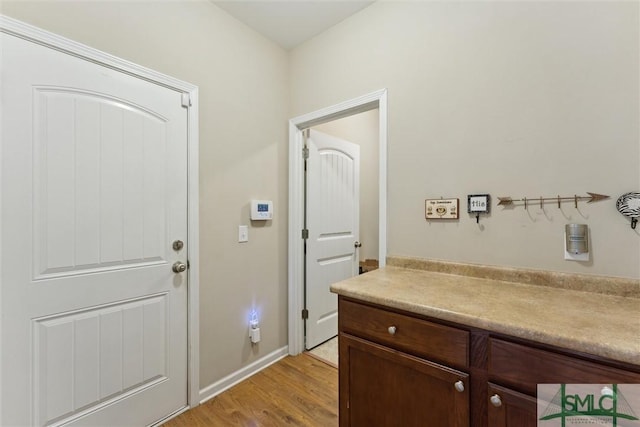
(629, 205)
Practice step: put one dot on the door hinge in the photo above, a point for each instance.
(305, 234)
(305, 153)
(186, 100)
(305, 313)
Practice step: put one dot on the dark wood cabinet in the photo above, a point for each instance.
(390, 388)
(509, 408)
(412, 335)
(387, 377)
(519, 368)
(523, 367)
(403, 369)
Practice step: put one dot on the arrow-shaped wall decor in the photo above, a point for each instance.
(592, 197)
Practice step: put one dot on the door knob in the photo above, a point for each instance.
(178, 267)
(459, 386)
(357, 244)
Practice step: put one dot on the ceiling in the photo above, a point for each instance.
(291, 22)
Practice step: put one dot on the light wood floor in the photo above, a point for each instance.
(296, 391)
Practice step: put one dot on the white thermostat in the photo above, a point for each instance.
(261, 210)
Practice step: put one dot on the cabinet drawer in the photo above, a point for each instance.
(524, 367)
(414, 336)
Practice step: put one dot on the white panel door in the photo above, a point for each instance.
(94, 192)
(333, 197)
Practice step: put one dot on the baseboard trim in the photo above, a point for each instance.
(242, 374)
(170, 417)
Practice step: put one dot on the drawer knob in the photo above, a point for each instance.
(459, 385)
(496, 401)
(392, 330)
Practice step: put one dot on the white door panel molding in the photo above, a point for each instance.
(333, 221)
(99, 176)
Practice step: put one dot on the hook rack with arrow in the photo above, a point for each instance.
(527, 201)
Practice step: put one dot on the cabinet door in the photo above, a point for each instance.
(508, 408)
(384, 387)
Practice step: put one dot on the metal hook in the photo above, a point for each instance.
(634, 222)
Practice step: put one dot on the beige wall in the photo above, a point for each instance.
(507, 98)
(362, 129)
(521, 99)
(243, 81)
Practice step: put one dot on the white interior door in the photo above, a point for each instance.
(94, 192)
(333, 195)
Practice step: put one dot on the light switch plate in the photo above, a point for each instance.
(243, 234)
(441, 208)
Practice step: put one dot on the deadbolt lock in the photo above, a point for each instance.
(177, 245)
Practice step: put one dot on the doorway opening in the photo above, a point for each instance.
(296, 261)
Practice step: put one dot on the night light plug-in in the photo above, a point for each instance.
(254, 328)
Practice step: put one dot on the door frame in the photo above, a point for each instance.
(190, 96)
(370, 101)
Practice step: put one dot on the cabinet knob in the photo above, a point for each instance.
(496, 401)
(459, 385)
(392, 330)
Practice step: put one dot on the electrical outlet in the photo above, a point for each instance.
(573, 257)
(254, 335)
